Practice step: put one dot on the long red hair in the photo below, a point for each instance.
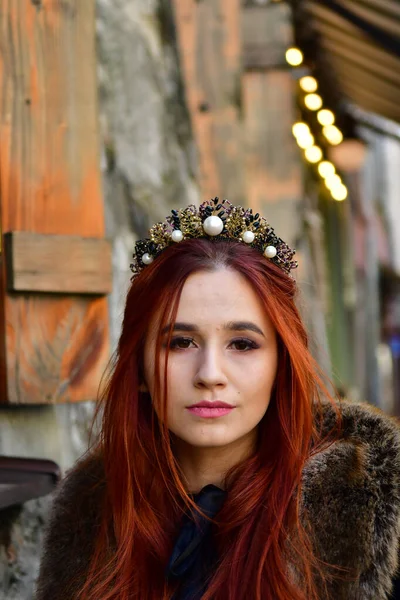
(261, 532)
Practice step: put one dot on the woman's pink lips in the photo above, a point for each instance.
(209, 412)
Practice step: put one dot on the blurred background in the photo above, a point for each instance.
(113, 112)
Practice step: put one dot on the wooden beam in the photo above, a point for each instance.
(264, 56)
(346, 71)
(52, 348)
(265, 40)
(374, 72)
(390, 7)
(386, 23)
(370, 101)
(209, 42)
(60, 264)
(359, 45)
(272, 164)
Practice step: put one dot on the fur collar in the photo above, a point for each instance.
(351, 501)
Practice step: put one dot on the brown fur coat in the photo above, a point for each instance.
(351, 492)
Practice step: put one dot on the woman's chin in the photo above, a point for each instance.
(208, 437)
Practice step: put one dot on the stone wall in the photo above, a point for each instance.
(148, 156)
(148, 164)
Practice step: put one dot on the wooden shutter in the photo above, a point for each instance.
(55, 262)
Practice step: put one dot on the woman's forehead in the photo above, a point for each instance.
(214, 300)
(209, 291)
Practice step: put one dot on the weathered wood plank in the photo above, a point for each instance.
(210, 51)
(273, 173)
(57, 263)
(266, 35)
(52, 349)
(263, 56)
(272, 165)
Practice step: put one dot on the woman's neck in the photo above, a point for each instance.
(203, 466)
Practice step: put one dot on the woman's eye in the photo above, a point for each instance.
(244, 345)
(180, 343)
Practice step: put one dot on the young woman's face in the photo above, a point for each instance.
(223, 350)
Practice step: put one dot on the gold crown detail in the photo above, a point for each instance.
(213, 219)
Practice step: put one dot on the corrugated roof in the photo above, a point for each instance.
(361, 39)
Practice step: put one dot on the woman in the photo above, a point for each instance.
(224, 469)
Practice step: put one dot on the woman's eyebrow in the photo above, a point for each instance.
(243, 326)
(180, 327)
(230, 326)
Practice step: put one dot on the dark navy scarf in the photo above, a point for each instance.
(194, 558)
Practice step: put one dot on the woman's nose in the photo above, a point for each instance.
(210, 370)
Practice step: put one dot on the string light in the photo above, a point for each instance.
(313, 101)
(305, 141)
(294, 56)
(326, 169)
(326, 117)
(333, 134)
(339, 193)
(313, 154)
(300, 129)
(333, 181)
(308, 84)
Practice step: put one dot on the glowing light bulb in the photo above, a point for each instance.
(308, 84)
(305, 141)
(333, 134)
(333, 181)
(326, 117)
(294, 56)
(313, 154)
(339, 193)
(326, 169)
(313, 101)
(300, 128)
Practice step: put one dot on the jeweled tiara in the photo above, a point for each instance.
(213, 219)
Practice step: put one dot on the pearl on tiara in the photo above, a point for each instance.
(147, 259)
(213, 225)
(248, 237)
(270, 252)
(177, 235)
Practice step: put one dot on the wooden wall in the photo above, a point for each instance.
(241, 95)
(54, 345)
(241, 100)
(54, 341)
(210, 51)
